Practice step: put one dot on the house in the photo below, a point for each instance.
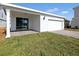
(75, 19)
(22, 18)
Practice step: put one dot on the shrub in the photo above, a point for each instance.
(76, 27)
(68, 26)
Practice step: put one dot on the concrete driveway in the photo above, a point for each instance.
(68, 33)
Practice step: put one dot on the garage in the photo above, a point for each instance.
(49, 23)
(54, 25)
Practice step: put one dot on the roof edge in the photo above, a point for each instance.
(25, 8)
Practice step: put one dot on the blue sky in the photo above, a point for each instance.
(63, 9)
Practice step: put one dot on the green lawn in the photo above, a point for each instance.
(41, 44)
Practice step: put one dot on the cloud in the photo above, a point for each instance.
(52, 10)
(64, 12)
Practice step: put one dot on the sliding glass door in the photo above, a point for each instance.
(22, 23)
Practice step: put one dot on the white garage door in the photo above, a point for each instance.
(54, 25)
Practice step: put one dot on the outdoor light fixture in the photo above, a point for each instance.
(44, 18)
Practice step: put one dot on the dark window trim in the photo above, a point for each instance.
(27, 21)
(5, 11)
(3, 20)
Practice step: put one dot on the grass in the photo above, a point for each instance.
(40, 44)
(69, 29)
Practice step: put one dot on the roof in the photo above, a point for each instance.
(25, 8)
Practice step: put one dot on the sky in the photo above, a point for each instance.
(62, 9)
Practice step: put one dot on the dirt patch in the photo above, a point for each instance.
(2, 33)
(69, 29)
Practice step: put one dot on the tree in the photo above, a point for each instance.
(66, 23)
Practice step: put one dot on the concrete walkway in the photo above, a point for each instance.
(68, 33)
(20, 33)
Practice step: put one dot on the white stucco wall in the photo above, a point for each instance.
(43, 24)
(35, 22)
(49, 23)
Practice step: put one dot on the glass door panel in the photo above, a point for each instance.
(22, 23)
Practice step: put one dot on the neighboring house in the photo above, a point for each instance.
(75, 19)
(22, 18)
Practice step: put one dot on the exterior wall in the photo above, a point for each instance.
(2, 17)
(75, 22)
(35, 22)
(43, 23)
(75, 19)
(51, 25)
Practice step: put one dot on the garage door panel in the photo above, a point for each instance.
(55, 25)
